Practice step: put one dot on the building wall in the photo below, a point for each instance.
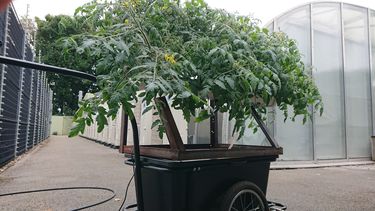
(61, 125)
(337, 43)
(148, 135)
(112, 133)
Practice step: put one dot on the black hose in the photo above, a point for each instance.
(126, 193)
(137, 162)
(48, 68)
(68, 188)
(127, 189)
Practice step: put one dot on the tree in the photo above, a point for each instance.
(50, 44)
(190, 53)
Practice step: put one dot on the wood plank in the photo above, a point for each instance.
(264, 128)
(124, 132)
(171, 129)
(206, 153)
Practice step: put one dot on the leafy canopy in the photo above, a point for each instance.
(49, 42)
(189, 53)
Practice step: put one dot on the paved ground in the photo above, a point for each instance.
(334, 188)
(63, 162)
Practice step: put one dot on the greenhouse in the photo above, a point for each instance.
(337, 41)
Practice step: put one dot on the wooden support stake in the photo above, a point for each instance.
(264, 128)
(124, 132)
(171, 129)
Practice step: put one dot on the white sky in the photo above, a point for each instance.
(265, 10)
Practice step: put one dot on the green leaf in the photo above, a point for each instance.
(260, 85)
(202, 116)
(151, 87)
(213, 51)
(148, 108)
(161, 131)
(145, 66)
(88, 43)
(230, 82)
(142, 94)
(78, 128)
(184, 94)
(155, 123)
(101, 118)
(220, 84)
(108, 46)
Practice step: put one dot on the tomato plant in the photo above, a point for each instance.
(189, 53)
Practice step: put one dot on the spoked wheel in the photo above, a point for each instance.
(244, 196)
(246, 200)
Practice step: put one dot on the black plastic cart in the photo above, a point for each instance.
(203, 177)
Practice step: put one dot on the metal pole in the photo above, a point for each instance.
(343, 79)
(371, 71)
(20, 87)
(312, 62)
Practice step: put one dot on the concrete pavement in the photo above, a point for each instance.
(342, 188)
(63, 162)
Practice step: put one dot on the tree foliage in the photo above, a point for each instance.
(49, 42)
(189, 53)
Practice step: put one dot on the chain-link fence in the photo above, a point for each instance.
(25, 97)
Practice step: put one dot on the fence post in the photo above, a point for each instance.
(50, 110)
(35, 134)
(2, 78)
(29, 112)
(3, 53)
(19, 106)
(44, 106)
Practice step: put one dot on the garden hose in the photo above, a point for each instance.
(69, 188)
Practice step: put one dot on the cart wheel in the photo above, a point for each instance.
(244, 196)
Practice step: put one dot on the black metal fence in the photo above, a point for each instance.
(25, 97)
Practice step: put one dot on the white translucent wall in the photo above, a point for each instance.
(357, 81)
(295, 137)
(329, 135)
(372, 58)
(335, 39)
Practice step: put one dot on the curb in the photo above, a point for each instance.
(299, 165)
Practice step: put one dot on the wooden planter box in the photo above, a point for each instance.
(176, 150)
(199, 151)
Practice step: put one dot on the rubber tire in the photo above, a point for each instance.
(227, 197)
